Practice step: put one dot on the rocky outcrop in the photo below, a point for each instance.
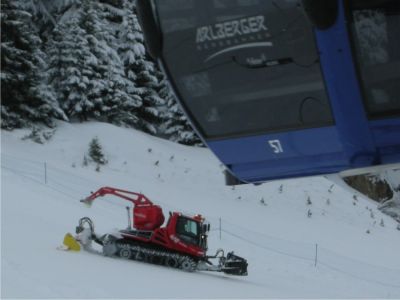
(383, 188)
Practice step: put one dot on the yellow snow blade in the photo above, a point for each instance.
(71, 243)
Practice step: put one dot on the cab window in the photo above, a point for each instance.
(188, 230)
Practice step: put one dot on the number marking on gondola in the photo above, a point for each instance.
(276, 146)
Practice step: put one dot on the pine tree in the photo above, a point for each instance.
(72, 67)
(98, 90)
(149, 113)
(86, 70)
(140, 70)
(131, 41)
(26, 97)
(131, 49)
(176, 125)
(120, 98)
(96, 152)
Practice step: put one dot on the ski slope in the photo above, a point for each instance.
(291, 254)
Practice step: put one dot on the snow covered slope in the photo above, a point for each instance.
(303, 238)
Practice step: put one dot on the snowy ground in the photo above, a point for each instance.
(266, 224)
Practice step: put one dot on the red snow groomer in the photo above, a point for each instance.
(182, 243)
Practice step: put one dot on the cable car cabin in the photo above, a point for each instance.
(284, 88)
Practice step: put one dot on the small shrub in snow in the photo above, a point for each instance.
(372, 215)
(382, 223)
(262, 201)
(328, 201)
(34, 136)
(368, 231)
(309, 200)
(330, 188)
(309, 213)
(39, 136)
(398, 227)
(157, 163)
(149, 150)
(171, 158)
(96, 152)
(281, 189)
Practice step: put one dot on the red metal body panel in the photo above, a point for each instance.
(147, 219)
(167, 238)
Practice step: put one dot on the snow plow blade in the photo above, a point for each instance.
(235, 265)
(71, 243)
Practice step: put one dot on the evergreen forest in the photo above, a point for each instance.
(82, 60)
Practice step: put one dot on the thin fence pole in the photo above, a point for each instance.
(45, 173)
(220, 228)
(316, 255)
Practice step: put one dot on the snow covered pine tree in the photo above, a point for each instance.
(26, 97)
